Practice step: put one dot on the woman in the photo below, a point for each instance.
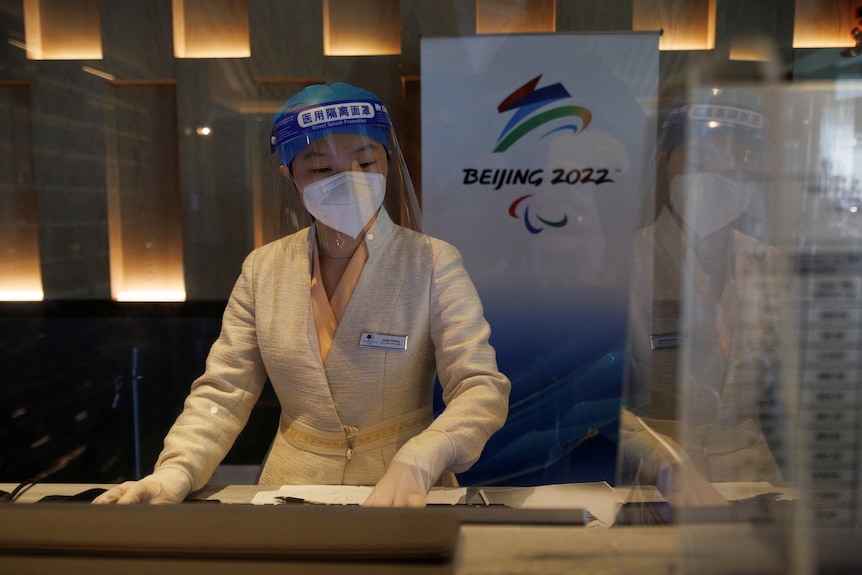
(705, 300)
(350, 319)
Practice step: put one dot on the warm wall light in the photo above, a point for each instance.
(145, 227)
(21, 295)
(824, 24)
(20, 268)
(151, 296)
(515, 16)
(141, 270)
(686, 25)
(139, 276)
(211, 29)
(20, 274)
(62, 29)
(361, 27)
(752, 49)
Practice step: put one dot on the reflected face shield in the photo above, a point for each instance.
(720, 134)
(718, 166)
(727, 153)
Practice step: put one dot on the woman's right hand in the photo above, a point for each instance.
(163, 486)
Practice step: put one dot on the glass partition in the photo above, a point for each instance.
(823, 238)
(744, 328)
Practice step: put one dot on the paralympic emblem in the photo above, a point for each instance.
(526, 101)
(533, 229)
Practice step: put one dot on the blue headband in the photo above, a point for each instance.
(319, 110)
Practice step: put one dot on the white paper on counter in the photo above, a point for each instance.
(739, 491)
(599, 499)
(330, 494)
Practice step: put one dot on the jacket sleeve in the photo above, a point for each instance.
(476, 394)
(221, 399)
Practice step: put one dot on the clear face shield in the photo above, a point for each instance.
(343, 162)
(716, 160)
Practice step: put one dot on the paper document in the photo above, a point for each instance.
(599, 499)
(348, 495)
(739, 491)
(328, 494)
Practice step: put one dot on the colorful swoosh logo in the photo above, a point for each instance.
(526, 100)
(534, 228)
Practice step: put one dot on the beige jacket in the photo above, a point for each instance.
(725, 395)
(343, 423)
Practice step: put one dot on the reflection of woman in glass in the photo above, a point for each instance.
(350, 320)
(703, 328)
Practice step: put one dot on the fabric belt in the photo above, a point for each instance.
(353, 439)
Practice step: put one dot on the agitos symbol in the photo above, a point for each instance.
(530, 227)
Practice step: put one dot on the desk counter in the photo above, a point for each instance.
(480, 549)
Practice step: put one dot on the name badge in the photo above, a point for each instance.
(667, 340)
(383, 341)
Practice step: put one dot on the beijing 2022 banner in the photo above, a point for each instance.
(536, 164)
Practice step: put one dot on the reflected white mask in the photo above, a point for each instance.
(708, 201)
(345, 201)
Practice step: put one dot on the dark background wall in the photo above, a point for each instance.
(90, 388)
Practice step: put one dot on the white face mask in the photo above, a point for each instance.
(346, 201)
(708, 201)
